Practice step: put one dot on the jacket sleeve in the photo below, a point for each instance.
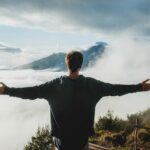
(107, 89)
(101, 89)
(41, 91)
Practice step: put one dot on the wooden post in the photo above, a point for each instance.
(136, 130)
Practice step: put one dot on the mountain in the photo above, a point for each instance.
(8, 49)
(56, 61)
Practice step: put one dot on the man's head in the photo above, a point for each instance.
(74, 61)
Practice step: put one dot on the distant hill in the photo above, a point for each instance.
(8, 49)
(56, 61)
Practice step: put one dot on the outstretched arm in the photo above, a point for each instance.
(34, 92)
(118, 89)
(100, 89)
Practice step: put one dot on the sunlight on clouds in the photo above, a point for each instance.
(8, 21)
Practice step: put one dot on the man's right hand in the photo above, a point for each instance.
(2, 88)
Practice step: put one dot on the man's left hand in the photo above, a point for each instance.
(146, 85)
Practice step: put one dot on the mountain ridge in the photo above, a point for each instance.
(56, 61)
(9, 49)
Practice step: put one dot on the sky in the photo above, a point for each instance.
(33, 29)
(42, 24)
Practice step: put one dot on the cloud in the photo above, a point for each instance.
(17, 56)
(20, 118)
(126, 61)
(69, 15)
(4, 48)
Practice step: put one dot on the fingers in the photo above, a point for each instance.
(1, 83)
(146, 80)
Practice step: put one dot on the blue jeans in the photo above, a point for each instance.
(70, 144)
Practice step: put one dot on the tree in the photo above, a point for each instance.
(109, 123)
(41, 141)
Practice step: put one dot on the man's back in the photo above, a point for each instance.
(72, 107)
(73, 104)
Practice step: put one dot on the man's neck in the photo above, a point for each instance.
(74, 75)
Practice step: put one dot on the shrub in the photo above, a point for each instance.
(95, 138)
(109, 123)
(106, 139)
(130, 139)
(118, 139)
(143, 135)
(41, 141)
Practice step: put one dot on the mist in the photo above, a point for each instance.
(125, 61)
(19, 119)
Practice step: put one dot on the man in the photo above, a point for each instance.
(72, 101)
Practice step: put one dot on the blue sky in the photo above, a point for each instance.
(38, 39)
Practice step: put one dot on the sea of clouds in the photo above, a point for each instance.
(126, 61)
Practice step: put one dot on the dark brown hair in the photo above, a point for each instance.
(74, 60)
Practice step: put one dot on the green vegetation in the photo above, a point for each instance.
(41, 141)
(111, 132)
(115, 132)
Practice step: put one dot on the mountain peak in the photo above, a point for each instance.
(56, 61)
